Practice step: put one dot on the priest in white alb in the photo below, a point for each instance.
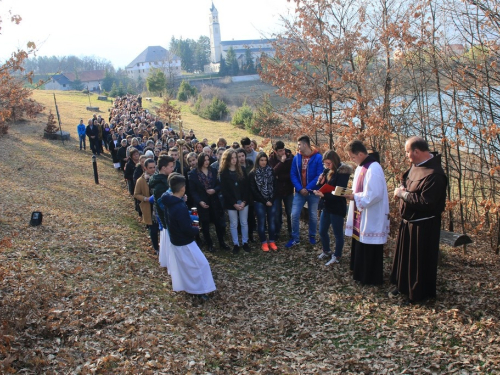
(368, 216)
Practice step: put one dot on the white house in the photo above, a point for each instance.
(58, 82)
(154, 57)
(90, 79)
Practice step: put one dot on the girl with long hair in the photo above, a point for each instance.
(204, 187)
(263, 187)
(236, 194)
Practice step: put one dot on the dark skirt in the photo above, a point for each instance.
(367, 263)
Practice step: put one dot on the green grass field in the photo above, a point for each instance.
(72, 107)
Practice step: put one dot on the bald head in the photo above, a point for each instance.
(418, 143)
(417, 150)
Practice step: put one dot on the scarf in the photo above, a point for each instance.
(265, 181)
(205, 179)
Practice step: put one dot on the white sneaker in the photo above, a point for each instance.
(333, 260)
(324, 255)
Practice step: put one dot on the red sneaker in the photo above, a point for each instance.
(273, 246)
(265, 247)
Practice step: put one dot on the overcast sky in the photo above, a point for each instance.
(120, 30)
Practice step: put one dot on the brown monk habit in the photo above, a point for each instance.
(414, 270)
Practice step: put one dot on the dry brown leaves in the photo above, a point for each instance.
(83, 293)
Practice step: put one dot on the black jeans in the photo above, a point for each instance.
(153, 234)
(94, 146)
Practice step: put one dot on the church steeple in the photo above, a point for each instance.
(215, 39)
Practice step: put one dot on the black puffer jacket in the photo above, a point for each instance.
(281, 169)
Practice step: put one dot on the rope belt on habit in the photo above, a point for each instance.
(414, 221)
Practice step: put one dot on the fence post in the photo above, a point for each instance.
(94, 164)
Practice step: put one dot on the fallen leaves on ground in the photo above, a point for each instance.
(83, 293)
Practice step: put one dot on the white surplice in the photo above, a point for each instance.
(190, 270)
(373, 203)
(165, 251)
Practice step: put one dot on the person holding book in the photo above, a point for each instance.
(188, 266)
(368, 216)
(334, 207)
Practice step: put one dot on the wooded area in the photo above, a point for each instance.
(387, 70)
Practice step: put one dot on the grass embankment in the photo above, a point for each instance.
(83, 294)
(72, 106)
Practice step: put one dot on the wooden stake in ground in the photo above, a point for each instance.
(58, 119)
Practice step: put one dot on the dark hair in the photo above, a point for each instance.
(147, 162)
(201, 159)
(235, 145)
(172, 175)
(164, 160)
(279, 145)
(305, 139)
(177, 182)
(245, 141)
(174, 149)
(132, 151)
(418, 143)
(259, 156)
(356, 147)
(240, 150)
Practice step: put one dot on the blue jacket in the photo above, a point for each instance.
(80, 129)
(314, 170)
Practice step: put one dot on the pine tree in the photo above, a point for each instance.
(222, 67)
(51, 123)
(114, 90)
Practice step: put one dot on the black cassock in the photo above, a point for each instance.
(414, 270)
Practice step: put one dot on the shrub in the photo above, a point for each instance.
(216, 110)
(186, 91)
(242, 118)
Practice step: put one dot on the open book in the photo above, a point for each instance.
(341, 191)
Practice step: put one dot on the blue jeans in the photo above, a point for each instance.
(337, 223)
(262, 211)
(312, 204)
(233, 224)
(288, 201)
(82, 141)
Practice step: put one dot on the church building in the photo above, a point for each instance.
(219, 48)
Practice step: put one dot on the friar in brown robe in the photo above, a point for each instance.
(422, 197)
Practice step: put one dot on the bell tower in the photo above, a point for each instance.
(215, 48)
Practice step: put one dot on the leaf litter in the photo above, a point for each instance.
(83, 293)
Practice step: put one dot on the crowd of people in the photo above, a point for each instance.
(182, 186)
